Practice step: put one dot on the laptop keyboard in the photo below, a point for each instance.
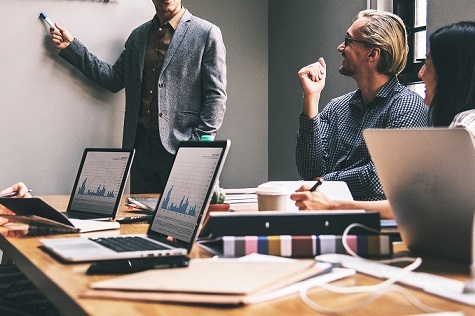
(81, 216)
(125, 244)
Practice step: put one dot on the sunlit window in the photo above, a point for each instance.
(419, 27)
(420, 46)
(420, 14)
(414, 15)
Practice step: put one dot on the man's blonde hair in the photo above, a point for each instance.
(388, 32)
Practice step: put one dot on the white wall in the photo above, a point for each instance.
(50, 112)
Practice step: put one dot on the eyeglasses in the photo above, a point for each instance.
(348, 40)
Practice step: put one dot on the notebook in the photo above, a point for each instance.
(428, 176)
(336, 190)
(178, 213)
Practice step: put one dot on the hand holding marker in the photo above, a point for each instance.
(61, 37)
(47, 20)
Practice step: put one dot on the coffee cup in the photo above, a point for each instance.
(272, 198)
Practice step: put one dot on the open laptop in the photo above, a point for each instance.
(99, 183)
(97, 190)
(178, 213)
(428, 176)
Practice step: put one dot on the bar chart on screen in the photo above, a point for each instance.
(182, 207)
(100, 191)
(186, 191)
(100, 181)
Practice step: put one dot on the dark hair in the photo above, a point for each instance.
(453, 55)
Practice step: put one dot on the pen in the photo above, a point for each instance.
(135, 219)
(140, 205)
(11, 194)
(316, 185)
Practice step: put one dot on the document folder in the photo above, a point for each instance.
(298, 246)
(277, 223)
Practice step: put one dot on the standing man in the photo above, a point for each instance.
(173, 69)
(330, 144)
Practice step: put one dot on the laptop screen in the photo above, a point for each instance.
(100, 181)
(188, 190)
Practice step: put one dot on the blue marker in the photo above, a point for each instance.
(47, 20)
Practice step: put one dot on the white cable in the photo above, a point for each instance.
(345, 235)
(396, 288)
(354, 254)
(377, 289)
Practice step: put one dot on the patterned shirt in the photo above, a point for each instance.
(465, 119)
(332, 145)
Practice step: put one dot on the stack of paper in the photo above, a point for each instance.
(240, 196)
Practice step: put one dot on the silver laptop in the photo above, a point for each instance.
(428, 176)
(99, 183)
(97, 190)
(178, 213)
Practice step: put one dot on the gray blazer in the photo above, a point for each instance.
(191, 85)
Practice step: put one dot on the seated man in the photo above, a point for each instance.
(330, 144)
(454, 107)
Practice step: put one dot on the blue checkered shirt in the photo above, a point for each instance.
(332, 145)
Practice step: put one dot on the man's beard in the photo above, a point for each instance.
(345, 72)
(344, 69)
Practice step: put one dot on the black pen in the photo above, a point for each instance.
(316, 185)
(11, 194)
(135, 219)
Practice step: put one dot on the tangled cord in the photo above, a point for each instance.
(373, 291)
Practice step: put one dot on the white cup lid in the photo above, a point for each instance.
(271, 190)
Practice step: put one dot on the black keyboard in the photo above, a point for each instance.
(125, 244)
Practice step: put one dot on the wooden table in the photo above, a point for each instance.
(62, 284)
